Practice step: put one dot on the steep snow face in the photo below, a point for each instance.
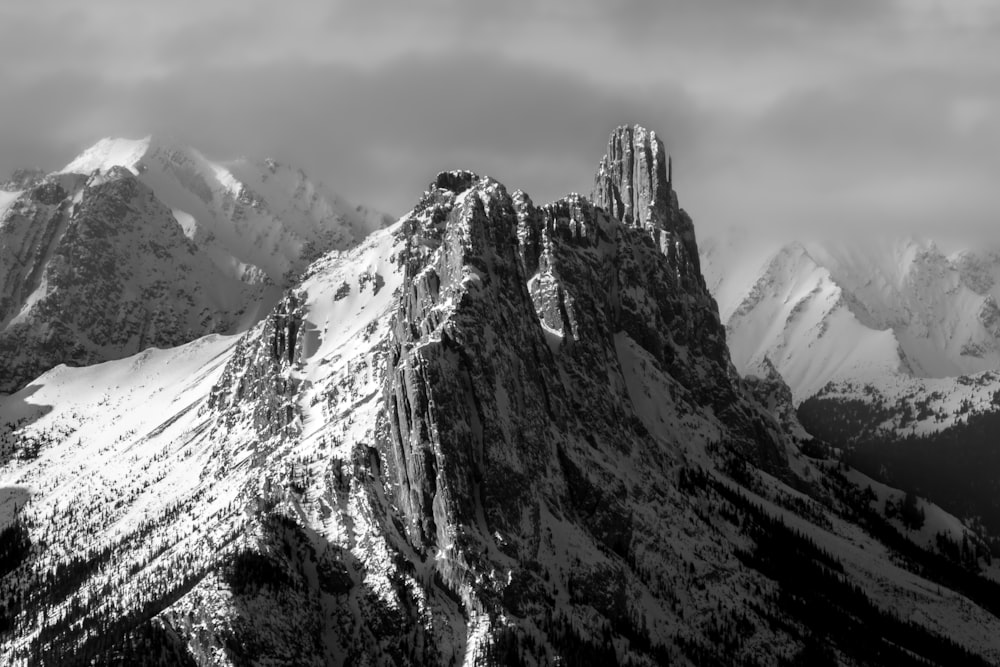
(6, 200)
(838, 311)
(247, 215)
(731, 264)
(798, 317)
(222, 450)
(108, 153)
(911, 287)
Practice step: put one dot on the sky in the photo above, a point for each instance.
(804, 118)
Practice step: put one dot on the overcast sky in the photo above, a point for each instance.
(804, 116)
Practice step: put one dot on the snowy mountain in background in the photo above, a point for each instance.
(136, 244)
(247, 215)
(493, 433)
(855, 310)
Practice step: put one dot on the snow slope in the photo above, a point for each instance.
(6, 199)
(932, 405)
(169, 486)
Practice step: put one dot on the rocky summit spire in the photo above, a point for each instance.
(631, 182)
(634, 184)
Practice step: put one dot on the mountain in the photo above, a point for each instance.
(856, 310)
(247, 215)
(136, 244)
(493, 433)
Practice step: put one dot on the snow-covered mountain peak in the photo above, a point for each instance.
(133, 154)
(796, 317)
(96, 267)
(250, 216)
(109, 152)
(141, 216)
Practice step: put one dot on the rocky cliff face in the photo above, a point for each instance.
(508, 395)
(634, 184)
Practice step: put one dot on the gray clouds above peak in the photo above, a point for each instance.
(792, 114)
(378, 135)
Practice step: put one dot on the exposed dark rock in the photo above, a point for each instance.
(456, 182)
(989, 316)
(255, 386)
(468, 395)
(633, 184)
(506, 396)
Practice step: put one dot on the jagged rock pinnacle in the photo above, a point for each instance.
(457, 180)
(634, 184)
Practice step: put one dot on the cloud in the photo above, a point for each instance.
(788, 114)
(885, 152)
(378, 135)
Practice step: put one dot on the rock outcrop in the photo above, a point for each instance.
(472, 389)
(634, 184)
(513, 393)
